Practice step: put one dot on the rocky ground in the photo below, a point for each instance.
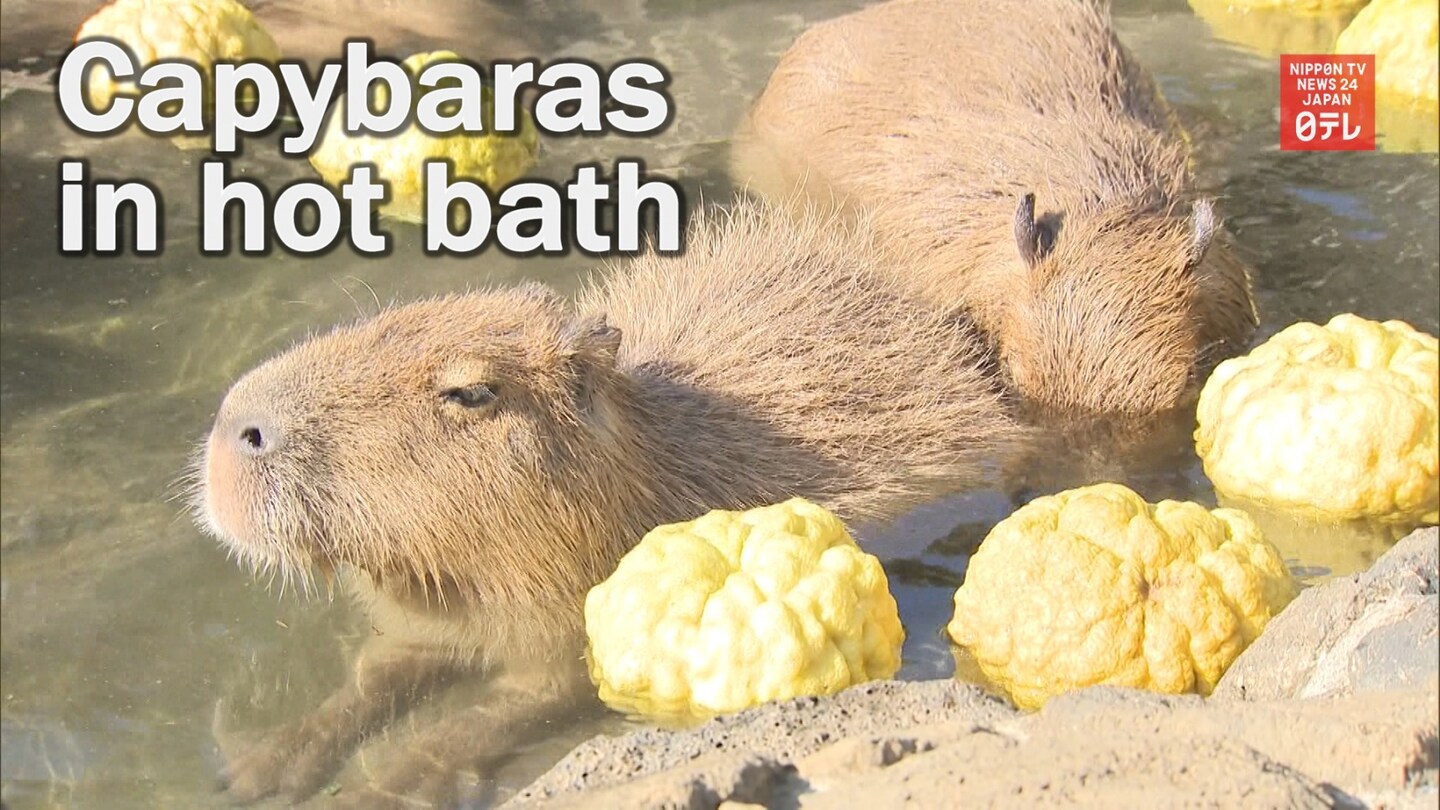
(1334, 706)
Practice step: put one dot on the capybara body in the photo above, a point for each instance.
(481, 460)
(1103, 292)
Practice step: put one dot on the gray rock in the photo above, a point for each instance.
(1101, 747)
(1371, 741)
(1336, 705)
(784, 731)
(1050, 763)
(702, 784)
(1369, 632)
(1399, 654)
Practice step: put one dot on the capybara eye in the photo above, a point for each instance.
(471, 396)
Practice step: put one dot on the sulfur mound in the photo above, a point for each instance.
(1333, 422)
(1299, 6)
(738, 608)
(1096, 586)
(200, 31)
(1403, 35)
(493, 159)
(1273, 28)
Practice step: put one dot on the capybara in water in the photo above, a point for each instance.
(481, 460)
(1020, 148)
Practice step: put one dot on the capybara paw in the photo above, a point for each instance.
(290, 762)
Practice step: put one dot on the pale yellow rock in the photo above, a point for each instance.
(1300, 6)
(1096, 586)
(203, 32)
(1404, 35)
(737, 608)
(1276, 28)
(493, 159)
(1333, 423)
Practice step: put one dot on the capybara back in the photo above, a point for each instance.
(1025, 168)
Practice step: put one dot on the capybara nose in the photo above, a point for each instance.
(251, 422)
(254, 436)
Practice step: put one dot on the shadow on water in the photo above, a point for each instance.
(123, 627)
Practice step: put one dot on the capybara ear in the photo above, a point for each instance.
(1203, 225)
(590, 338)
(1029, 234)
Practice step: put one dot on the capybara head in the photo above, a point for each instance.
(421, 447)
(1101, 319)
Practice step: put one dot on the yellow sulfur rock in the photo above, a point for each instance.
(201, 31)
(1333, 423)
(1276, 28)
(1404, 36)
(1096, 586)
(1299, 6)
(491, 158)
(737, 608)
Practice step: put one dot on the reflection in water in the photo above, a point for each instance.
(1317, 552)
(123, 628)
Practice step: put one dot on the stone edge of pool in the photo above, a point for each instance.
(1335, 705)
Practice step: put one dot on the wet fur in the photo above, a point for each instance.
(772, 360)
(940, 116)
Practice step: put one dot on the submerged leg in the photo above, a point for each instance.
(465, 746)
(297, 759)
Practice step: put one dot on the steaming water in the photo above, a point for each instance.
(126, 633)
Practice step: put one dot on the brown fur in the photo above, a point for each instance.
(941, 116)
(770, 361)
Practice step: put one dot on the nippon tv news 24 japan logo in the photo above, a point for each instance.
(1327, 101)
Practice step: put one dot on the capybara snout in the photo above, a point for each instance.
(246, 438)
(240, 464)
(367, 446)
(247, 428)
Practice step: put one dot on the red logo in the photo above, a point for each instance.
(1327, 101)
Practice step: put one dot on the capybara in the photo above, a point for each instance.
(1020, 148)
(481, 460)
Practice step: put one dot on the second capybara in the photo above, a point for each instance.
(1020, 150)
(479, 461)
